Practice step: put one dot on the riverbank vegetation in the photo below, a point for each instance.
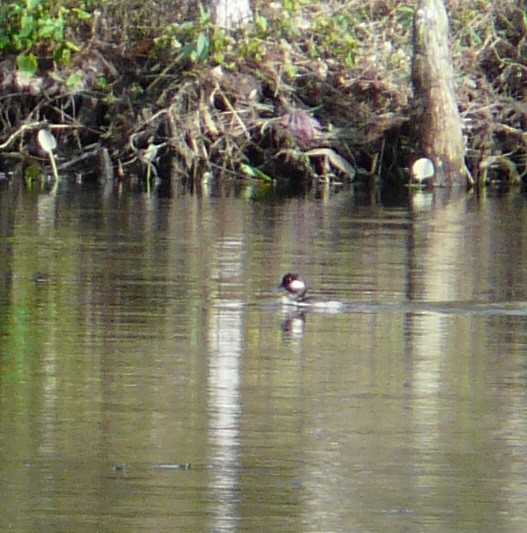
(309, 91)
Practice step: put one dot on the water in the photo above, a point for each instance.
(149, 381)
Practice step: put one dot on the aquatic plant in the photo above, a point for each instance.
(48, 143)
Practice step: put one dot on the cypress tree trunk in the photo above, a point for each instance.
(230, 13)
(439, 130)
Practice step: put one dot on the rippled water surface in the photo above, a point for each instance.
(150, 380)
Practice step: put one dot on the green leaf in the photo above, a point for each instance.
(204, 15)
(255, 173)
(187, 51)
(27, 64)
(58, 34)
(47, 28)
(27, 26)
(32, 173)
(62, 55)
(33, 4)
(261, 23)
(5, 41)
(81, 14)
(406, 10)
(202, 46)
(75, 79)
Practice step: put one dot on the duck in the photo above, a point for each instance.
(295, 290)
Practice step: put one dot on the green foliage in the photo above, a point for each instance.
(334, 36)
(28, 24)
(294, 6)
(255, 173)
(75, 79)
(312, 31)
(27, 63)
(32, 174)
(198, 41)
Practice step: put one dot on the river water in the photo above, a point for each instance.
(150, 380)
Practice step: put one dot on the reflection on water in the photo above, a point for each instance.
(150, 381)
(225, 344)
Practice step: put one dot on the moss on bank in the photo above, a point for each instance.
(311, 91)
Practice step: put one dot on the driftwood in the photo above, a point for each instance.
(439, 125)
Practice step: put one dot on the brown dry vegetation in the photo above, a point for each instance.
(316, 90)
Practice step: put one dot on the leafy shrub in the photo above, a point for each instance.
(28, 24)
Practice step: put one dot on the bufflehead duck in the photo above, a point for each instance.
(295, 287)
(296, 294)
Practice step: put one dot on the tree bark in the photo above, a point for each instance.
(230, 13)
(439, 130)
